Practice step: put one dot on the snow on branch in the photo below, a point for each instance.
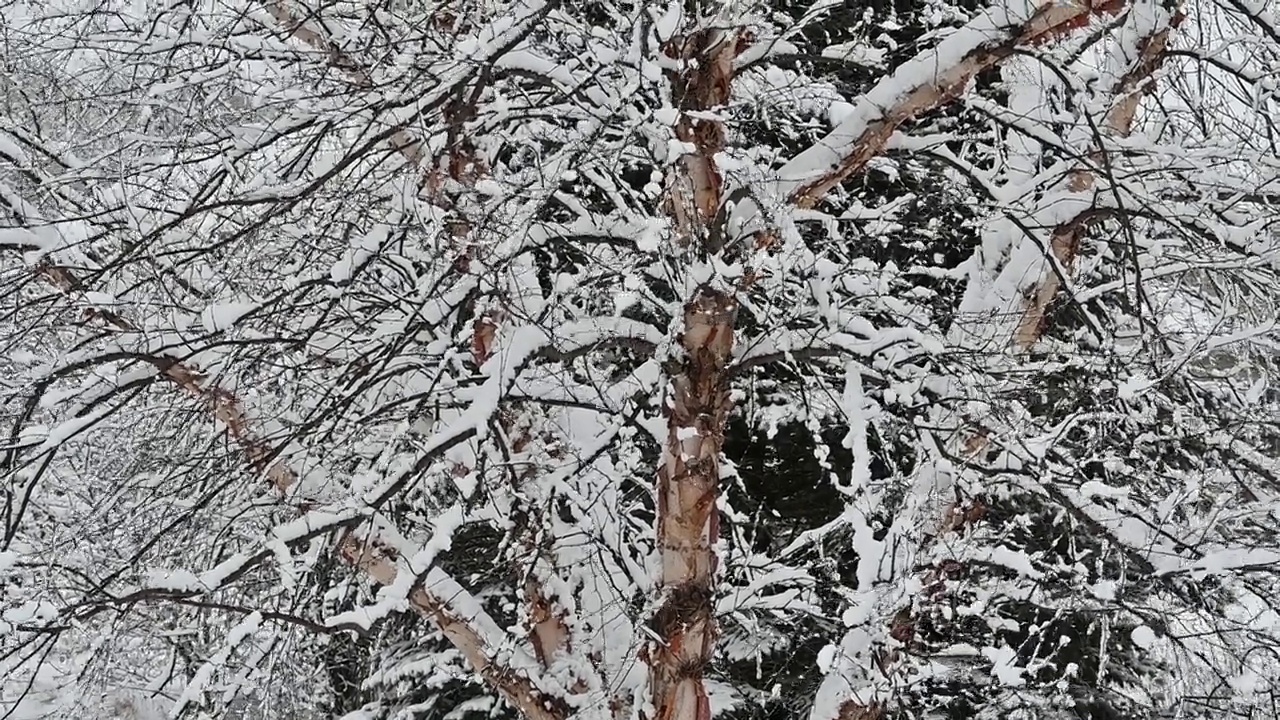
(925, 83)
(222, 404)
(1064, 244)
(463, 622)
(493, 44)
(459, 627)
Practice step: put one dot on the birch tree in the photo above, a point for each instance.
(619, 360)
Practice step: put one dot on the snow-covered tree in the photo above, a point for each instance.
(847, 361)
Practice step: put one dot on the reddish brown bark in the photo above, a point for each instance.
(688, 481)
(518, 690)
(702, 87)
(548, 629)
(224, 406)
(688, 517)
(404, 141)
(852, 710)
(1052, 21)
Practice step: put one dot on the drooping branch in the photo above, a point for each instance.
(514, 687)
(461, 168)
(363, 555)
(223, 405)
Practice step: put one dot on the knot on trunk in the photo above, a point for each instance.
(686, 625)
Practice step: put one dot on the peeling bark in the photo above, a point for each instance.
(688, 518)
(547, 621)
(852, 710)
(547, 629)
(703, 87)
(516, 689)
(224, 406)
(688, 480)
(1054, 19)
(1064, 243)
(462, 164)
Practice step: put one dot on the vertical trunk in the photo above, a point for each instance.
(688, 524)
(688, 480)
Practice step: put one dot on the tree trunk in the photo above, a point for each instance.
(688, 521)
(688, 480)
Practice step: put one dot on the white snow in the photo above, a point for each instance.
(224, 316)
(1004, 668)
(1104, 589)
(1093, 488)
(1143, 636)
(19, 237)
(923, 69)
(1221, 561)
(177, 580)
(12, 152)
(72, 427)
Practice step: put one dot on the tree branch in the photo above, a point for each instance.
(1064, 243)
(984, 42)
